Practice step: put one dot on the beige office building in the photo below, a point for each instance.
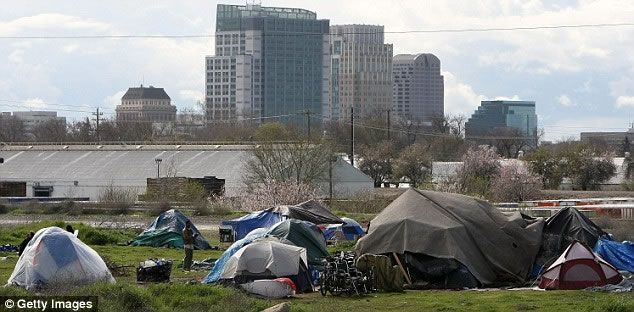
(361, 72)
(146, 104)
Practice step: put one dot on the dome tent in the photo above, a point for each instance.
(167, 231)
(350, 230)
(265, 259)
(302, 234)
(56, 257)
(577, 268)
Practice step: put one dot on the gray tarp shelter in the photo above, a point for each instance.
(494, 246)
(312, 211)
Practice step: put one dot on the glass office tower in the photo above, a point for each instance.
(492, 115)
(271, 64)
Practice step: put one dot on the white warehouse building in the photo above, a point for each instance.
(85, 171)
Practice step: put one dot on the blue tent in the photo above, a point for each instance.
(351, 229)
(219, 265)
(620, 255)
(259, 219)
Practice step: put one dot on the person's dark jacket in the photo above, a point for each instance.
(23, 245)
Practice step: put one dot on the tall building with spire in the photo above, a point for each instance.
(271, 64)
(361, 72)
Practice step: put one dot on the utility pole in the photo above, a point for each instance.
(352, 135)
(97, 115)
(308, 119)
(389, 136)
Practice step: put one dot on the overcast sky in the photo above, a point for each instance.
(582, 79)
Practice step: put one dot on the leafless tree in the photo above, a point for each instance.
(50, 131)
(11, 129)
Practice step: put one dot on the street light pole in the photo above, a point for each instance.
(158, 167)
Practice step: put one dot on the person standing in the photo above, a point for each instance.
(188, 241)
(25, 242)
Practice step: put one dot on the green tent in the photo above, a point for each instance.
(302, 234)
(167, 231)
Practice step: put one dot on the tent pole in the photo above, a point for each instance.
(400, 266)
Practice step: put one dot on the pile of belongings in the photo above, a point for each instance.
(454, 241)
(56, 258)
(8, 248)
(167, 231)
(271, 288)
(577, 268)
(267, 259)
(350, 230)
(311, 211)
(154, 270)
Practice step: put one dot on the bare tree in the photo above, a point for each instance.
(376, 161)
(50, 131)
(12, 129)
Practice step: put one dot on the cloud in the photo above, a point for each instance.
(34, 104)
(460, 98)
(507, 98)
(564, 100)
(625, 101)
(50, 22)
(113, 100)
(191, 96)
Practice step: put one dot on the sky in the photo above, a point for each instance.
(581, 79)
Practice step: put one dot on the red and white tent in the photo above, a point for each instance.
(578, 267)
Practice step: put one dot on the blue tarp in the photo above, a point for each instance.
(351, 229)
(167, 231)
(620, 255)
(245, 224)
(219, 265)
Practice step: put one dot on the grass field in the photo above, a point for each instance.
(185, 293)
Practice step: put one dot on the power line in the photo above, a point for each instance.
(423, 31)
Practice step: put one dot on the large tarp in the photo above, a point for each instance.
(302, 234)
(620, 255)
(495, 247)
(560, 230)
(56, 258)
(259, 219)
(311, 211)
(167, 231)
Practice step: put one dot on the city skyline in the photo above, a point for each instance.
(582, 78)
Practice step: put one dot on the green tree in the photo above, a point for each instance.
(413, 163)
(548, 165)
(586, 168)
(272, 131)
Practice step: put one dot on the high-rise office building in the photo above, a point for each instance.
(492, 116)
(361, 72)
(271, 64)
(418, 89)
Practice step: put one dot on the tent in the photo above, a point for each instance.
(577, 268)
(259, 219)
(167, 231)
(560, 230)
(268, 259)
(55, 257)
(620, 255)
(495, 247)
(350, 230)
(311, 211)
(219, 265)
(302, 234)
